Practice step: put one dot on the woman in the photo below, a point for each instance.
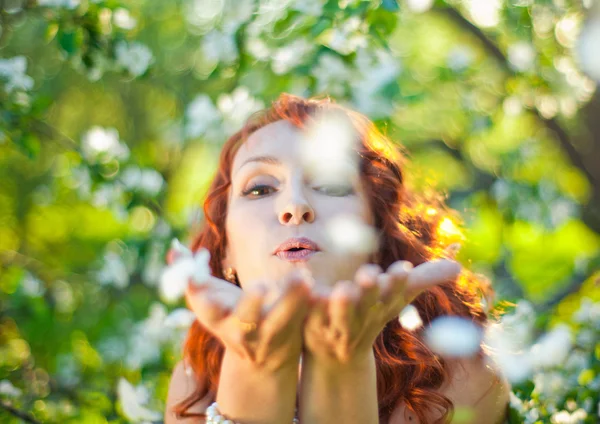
(283, 294)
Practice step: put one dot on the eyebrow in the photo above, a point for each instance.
(271, 160)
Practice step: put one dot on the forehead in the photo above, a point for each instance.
(280, 139)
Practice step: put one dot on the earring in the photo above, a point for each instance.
(229, 275)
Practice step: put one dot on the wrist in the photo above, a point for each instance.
(359, 363)
(339, 392)
(271, 368)
(256, 395)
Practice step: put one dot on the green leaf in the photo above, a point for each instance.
(321, 26)
(70, 41)
(51, 31)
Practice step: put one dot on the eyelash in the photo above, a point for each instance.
(247, 192)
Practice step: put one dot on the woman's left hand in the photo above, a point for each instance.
(345, 320)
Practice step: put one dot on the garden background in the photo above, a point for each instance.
(112, 114)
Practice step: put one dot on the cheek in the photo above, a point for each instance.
(246, 225)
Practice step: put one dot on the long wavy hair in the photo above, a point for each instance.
(413, 225)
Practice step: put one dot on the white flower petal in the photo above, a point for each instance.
(409, 318)
(349, 235)
(453, 336)
(174, 279)
(6, 388)
(553, 348)
(132, 403)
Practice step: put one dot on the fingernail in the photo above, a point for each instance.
(407, 266)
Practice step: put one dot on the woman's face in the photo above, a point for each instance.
(272, 200)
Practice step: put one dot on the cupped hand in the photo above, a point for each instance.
(269, 335)
(345, 320)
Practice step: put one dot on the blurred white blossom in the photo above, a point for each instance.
(550, 384)
(237, 107)
(123, 19)
(552, 348)
(287, 57)
(202, 117)
(267, 14)
(409, 318)
(453, 336)
(419, 6)
(349, 235)
(13, 72)
(218, 46)
(67, 4)
(133, 401)
(521, 56)
(375, 68)
(114, 271)
(203, 13)
(309, 7)
(586, 49)
(148, 181)
(68, 370)
(135, 57)
(588, 312)
(460, 58)
(158, 331)
(484, 13)
(508, 342)
(185, 268)
(332, 75)
(345, 39)
(7, 389)
(108, 196)
(103, 144)
(112, 349)
(32, 286)
(507, 354)
(564, 417)
(236, 13)
(258, 48)
(146, 340)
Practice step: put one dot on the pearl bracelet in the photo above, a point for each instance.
(214, 417)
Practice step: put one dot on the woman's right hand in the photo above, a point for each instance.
(267, 335)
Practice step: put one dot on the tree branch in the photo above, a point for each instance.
(19, 414)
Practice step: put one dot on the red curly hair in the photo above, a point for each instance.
(413, 226)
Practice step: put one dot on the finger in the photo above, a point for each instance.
(430, 274)
(290, 309)
(366, 279)
(393, 281)
(249, 308)
(342, 307)
(318, 316)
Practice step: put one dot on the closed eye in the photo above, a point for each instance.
(337, 190)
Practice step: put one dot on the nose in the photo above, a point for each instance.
(296, 210)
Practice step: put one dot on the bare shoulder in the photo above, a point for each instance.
(479, 394)
(181, 386)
